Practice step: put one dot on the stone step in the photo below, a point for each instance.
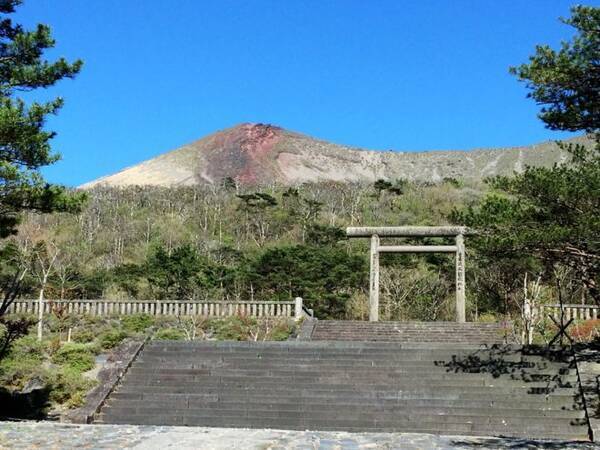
(358, 373)
(206, 400)
(353, 386)
(357, 415)
(406, 332)
(471, 357)
(140, 376)
(418, 392)
(298, 382)
(535, 430)
(139, 406)
(399, 354)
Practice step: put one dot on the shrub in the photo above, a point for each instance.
(240, 328)
(488, 317)
(137, 323)
(23, 362)
(15, 372)
(236, 328)
(545, 330)
(280, 332)
(83, 336)
(68, 387)
(78, 357)
(170, 334)
(585, 331)
(111, 338)
(27, 347)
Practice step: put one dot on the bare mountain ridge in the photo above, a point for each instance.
(264, 154)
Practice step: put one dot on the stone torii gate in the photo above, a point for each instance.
(375, 233)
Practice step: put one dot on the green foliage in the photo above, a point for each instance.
(453, 182)
(322, 276)
(566, 81)
(258, 200)
(396, 188)
(280, 332)
(233, 328)
(24, 144)
(240, 328)
(137, 323)
(324, 235)
(177, 275)
(25, 357)
(200, 242)
(68, 387)
(169, 334)
(488, 318)
(28, 347)
(552, 214)
(84, 336)
(77, 357)
(64, 382)
(11, 329)
(111, 338)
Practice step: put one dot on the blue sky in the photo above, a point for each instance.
(402, 74)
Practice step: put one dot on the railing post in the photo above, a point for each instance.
(298, 308)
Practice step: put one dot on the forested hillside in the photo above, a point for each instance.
(214, 242)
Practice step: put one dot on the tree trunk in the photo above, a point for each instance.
(41, 311)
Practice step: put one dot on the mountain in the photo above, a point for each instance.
(261, 154)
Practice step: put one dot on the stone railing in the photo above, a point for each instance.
(578, 312)
(163, 308)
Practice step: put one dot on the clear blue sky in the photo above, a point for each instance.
(400, 74)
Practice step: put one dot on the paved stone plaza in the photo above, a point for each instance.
(48, 435)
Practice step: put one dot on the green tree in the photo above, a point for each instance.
(554, 213)
(24, 143)
(324, 276)
(180, 274)
(566, 82)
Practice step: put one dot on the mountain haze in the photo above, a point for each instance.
(262, 154)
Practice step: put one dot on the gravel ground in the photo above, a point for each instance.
(49, 435)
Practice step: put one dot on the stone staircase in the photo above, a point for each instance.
(352, 386)
(474, 333)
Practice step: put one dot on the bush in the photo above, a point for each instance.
(83, 336)
(23, 362)
(234, 328)
(78, 357)
(27, 347)
(137, 323)
(111, 338)
(488, 317)
(240, 328)
(14, 372)
(68, 387)
(280, 332)
(585, 331)
(170, 334)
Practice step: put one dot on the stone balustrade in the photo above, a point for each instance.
(573, 311)
(162, 308)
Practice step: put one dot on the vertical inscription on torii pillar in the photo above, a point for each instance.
(374, 280)
(460, 278)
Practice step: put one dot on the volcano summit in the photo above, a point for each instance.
(255, 154)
